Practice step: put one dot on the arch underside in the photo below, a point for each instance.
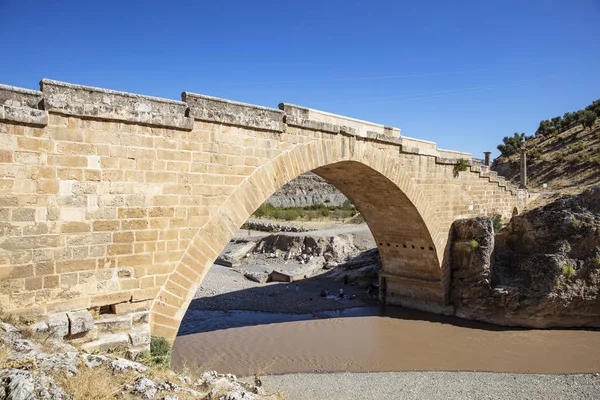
(410, 263)
(402, 226)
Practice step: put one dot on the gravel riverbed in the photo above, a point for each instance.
(433, 385)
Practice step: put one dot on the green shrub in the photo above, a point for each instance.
(560, 157)
(575, 223)
(473, 244)
(160, 352)
(309, 212)
(535, 153)
(460, 166)
(497, 221)
(568, 271)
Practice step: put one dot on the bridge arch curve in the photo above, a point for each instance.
(406, 231)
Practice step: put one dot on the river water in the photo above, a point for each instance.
(375, 339)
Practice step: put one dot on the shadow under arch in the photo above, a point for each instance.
(408, 235)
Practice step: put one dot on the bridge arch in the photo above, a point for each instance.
(409, 238)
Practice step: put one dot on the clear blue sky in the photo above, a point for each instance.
(461, 73)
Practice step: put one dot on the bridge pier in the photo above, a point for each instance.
(414, 293)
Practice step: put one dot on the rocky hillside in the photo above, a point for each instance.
(567, 162)
(542, 270)
(33, 367)
(307, 190)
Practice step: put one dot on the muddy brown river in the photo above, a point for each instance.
(375, 339)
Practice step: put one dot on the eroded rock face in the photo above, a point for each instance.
(542, 270)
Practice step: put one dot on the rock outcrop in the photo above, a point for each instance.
(307, 190)
(53, 370)
(542, 270)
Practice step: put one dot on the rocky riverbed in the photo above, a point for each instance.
(288, 272)
(35, 367)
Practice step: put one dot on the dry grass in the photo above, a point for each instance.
(4, 354)
(96, 383)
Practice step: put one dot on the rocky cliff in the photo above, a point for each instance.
(542, 270)
(307, 190)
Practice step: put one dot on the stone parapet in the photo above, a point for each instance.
(324, 121)
(212, 109)
(418, 146)
(379, 137)
(87, 101)
(455, 155)
(22, 106)
(23, 115)
(19, 97)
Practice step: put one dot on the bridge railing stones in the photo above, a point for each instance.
(31, 107)
(22, 106)
(310, 118)
(87, 101)
(212, 109)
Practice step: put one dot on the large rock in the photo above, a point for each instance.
(542, 270)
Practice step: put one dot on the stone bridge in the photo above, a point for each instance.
(113, 206)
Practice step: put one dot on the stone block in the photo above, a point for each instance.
(212, 109)
(80, 100)
(140, 337)
(80, 322)
(112, 323)
(58, 325)
(140, 317)
(126, 308)
(110, 299)
(107, 342)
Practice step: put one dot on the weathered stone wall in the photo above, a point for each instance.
(118, 203)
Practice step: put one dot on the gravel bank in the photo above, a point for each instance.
(433, 385)
(225, 289)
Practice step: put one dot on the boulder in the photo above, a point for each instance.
(259, 277)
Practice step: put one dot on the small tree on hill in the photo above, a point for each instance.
(545, 128)
(512, 145)
(588, 119)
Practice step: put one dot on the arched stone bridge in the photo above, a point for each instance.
(114, 206)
